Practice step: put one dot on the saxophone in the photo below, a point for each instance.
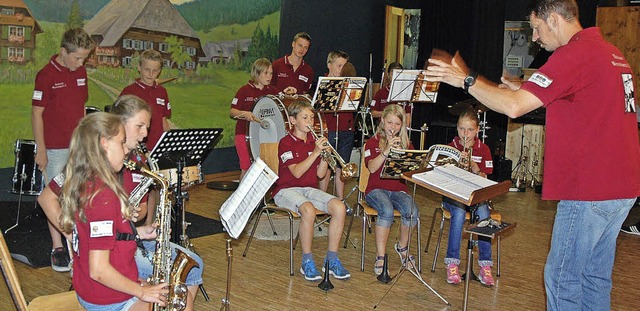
(164, 271)
(142, 158)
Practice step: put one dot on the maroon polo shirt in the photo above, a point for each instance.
(244, 100)
(284, 76)
(293, 150)
(156, 96)
(62, 93)
(375, 182)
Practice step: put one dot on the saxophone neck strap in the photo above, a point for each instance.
(128, 236)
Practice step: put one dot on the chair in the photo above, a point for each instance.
(61, 301)
(269, 154)
(368, 212)
(446, 215)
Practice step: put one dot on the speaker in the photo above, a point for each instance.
(501, 169)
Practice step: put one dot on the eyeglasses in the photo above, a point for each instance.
(489, 223)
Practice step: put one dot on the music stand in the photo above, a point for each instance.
(413, 160)
(179, 148)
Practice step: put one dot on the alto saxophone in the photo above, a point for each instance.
(142, 158)
(164, 271)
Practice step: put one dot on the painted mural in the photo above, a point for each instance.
(207, 48)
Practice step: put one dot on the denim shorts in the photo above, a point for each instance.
(292, 198)
(125, 305)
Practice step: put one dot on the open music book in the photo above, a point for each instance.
(339, 93)
(235, 212)
(454, 180)
(405, 160)
(402, 160)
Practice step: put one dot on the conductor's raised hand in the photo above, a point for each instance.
(449, 73)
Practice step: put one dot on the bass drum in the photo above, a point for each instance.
(27, 178)
(272, 111)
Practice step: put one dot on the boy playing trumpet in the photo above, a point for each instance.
(300, 167)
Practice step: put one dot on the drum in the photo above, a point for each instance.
(272, 111)
(192, 175)
(27, 178)
(91, 109)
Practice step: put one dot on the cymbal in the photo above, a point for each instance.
(469, 104)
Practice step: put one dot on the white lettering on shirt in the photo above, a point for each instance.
(234, 101)
(81, 82)
(286, 156)
(160, 101)
(488, 164)
(37, 95)
(367, 153)
(303, 78)
(101, 228)
(59, 180)
(540, 79)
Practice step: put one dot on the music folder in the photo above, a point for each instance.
(341, 94)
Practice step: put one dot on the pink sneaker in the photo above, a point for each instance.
(485, 276)
(453, 275)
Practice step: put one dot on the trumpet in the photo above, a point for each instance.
(334, 159)
(465, 163)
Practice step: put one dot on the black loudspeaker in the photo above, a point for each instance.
(501, 169)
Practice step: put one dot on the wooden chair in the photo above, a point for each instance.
(269, 154)
(368, 212)
(61, 301)
(446, 215)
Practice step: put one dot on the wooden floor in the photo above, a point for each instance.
(261, 280)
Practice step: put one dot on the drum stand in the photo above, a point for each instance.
(23, 178)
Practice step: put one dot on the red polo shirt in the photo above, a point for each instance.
(62, 93)
(103, 221)
(244, 100)
(293, 150)
(591, 142)
(156, 96)
(284, 76)
(375, 182)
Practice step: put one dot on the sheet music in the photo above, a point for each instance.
(402, 84)
(353, 88)
(235, 212)
(454, 180)
(443, 154)
(402, 160)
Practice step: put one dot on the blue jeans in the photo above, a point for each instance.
(577, 275)
(455, 235)
(145, 268)
(385, 201)
(345, 143)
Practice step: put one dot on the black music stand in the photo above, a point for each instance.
(180, 148)
(411, 86)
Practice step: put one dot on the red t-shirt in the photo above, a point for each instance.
(104, 220)
(62, 93)
(293, 150)
(284, 76)
(244, 100)
(591, 149)
(380, 102)
(480, 154)
(375, 182)
(156, 96)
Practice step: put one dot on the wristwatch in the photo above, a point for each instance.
(470, 80)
